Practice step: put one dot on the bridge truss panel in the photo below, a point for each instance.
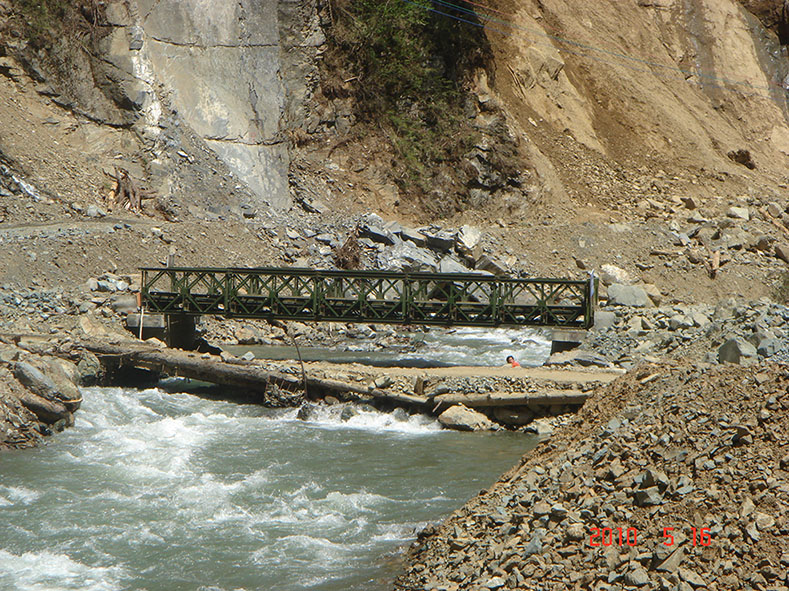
(444, 299)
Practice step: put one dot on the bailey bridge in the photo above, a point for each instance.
(438, 299)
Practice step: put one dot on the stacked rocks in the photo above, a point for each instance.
(670, 478)
(698, 332)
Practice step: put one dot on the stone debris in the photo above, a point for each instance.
(731, 331)
(662, 450)
(462, 418)
(627, 295)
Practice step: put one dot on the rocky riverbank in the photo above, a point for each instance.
(662, 450)
(39, 391)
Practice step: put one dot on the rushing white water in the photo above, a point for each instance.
(438, 347)
(157, 491)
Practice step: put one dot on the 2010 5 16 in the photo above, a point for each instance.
(608, 536)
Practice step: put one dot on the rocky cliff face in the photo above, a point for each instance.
(237, 74)
(601, 104)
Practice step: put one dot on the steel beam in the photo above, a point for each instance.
(444, 299)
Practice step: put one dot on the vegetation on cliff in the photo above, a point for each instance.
(44, 21)
(409, 69)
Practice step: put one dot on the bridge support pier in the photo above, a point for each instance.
(566, 340)
(181, 331)
(177, 330)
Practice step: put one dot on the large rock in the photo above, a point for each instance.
(736, 350)
(467, 238)
(46, 411)
(90, 369)
(440, 240)
(462, 418)
(610, 274)
(449, 264)
(51, 379)
(540, 427)
(485, 263)
(627, 295)
(782, 252)
(578, 357)
(405, 256)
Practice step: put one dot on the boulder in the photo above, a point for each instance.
(377, 234)
(782, 252)
(610, 274)
(412, 235)
(124, 304)
(89, 369)
(485, 263)
(582, 358)
(347, 413)
(440, 240)
(449, 264)
(680, 321)
(774, 209)
(405, 256)
(34, 379)
(768, 347)
(467, 238)
(604, 319)
(307, 412)
(736, 350)
(47, 411)
(50, 380)
(627, 295)
(740, 213)
(653, 293)
(462, 418)
(539, 427)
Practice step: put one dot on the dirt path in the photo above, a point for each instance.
(578, 376)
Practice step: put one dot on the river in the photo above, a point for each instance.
(165, 492)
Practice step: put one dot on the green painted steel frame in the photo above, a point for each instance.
(370, 296)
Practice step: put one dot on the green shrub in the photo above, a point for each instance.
(47, 20)
(409, 63)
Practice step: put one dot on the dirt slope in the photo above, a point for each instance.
(667, 446)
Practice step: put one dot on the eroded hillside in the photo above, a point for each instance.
(574, 133)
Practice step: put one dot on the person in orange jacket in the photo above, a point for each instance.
(512, 362)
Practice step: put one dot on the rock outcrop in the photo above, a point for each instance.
(239, 75)
(38, 394)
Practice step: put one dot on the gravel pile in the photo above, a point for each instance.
(694, 332)
(704, 452)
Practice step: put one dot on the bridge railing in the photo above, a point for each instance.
(369, 296)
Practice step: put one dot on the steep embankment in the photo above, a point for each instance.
(658, 452)
(623, 99)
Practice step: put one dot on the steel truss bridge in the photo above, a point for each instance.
(443, 299)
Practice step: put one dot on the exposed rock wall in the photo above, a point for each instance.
(239, 75)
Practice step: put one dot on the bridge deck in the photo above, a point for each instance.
(444, 299)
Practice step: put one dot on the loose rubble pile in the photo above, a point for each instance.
(665, 446)
(734, 331)
(313, 241)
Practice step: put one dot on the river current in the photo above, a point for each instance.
(165, 492)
